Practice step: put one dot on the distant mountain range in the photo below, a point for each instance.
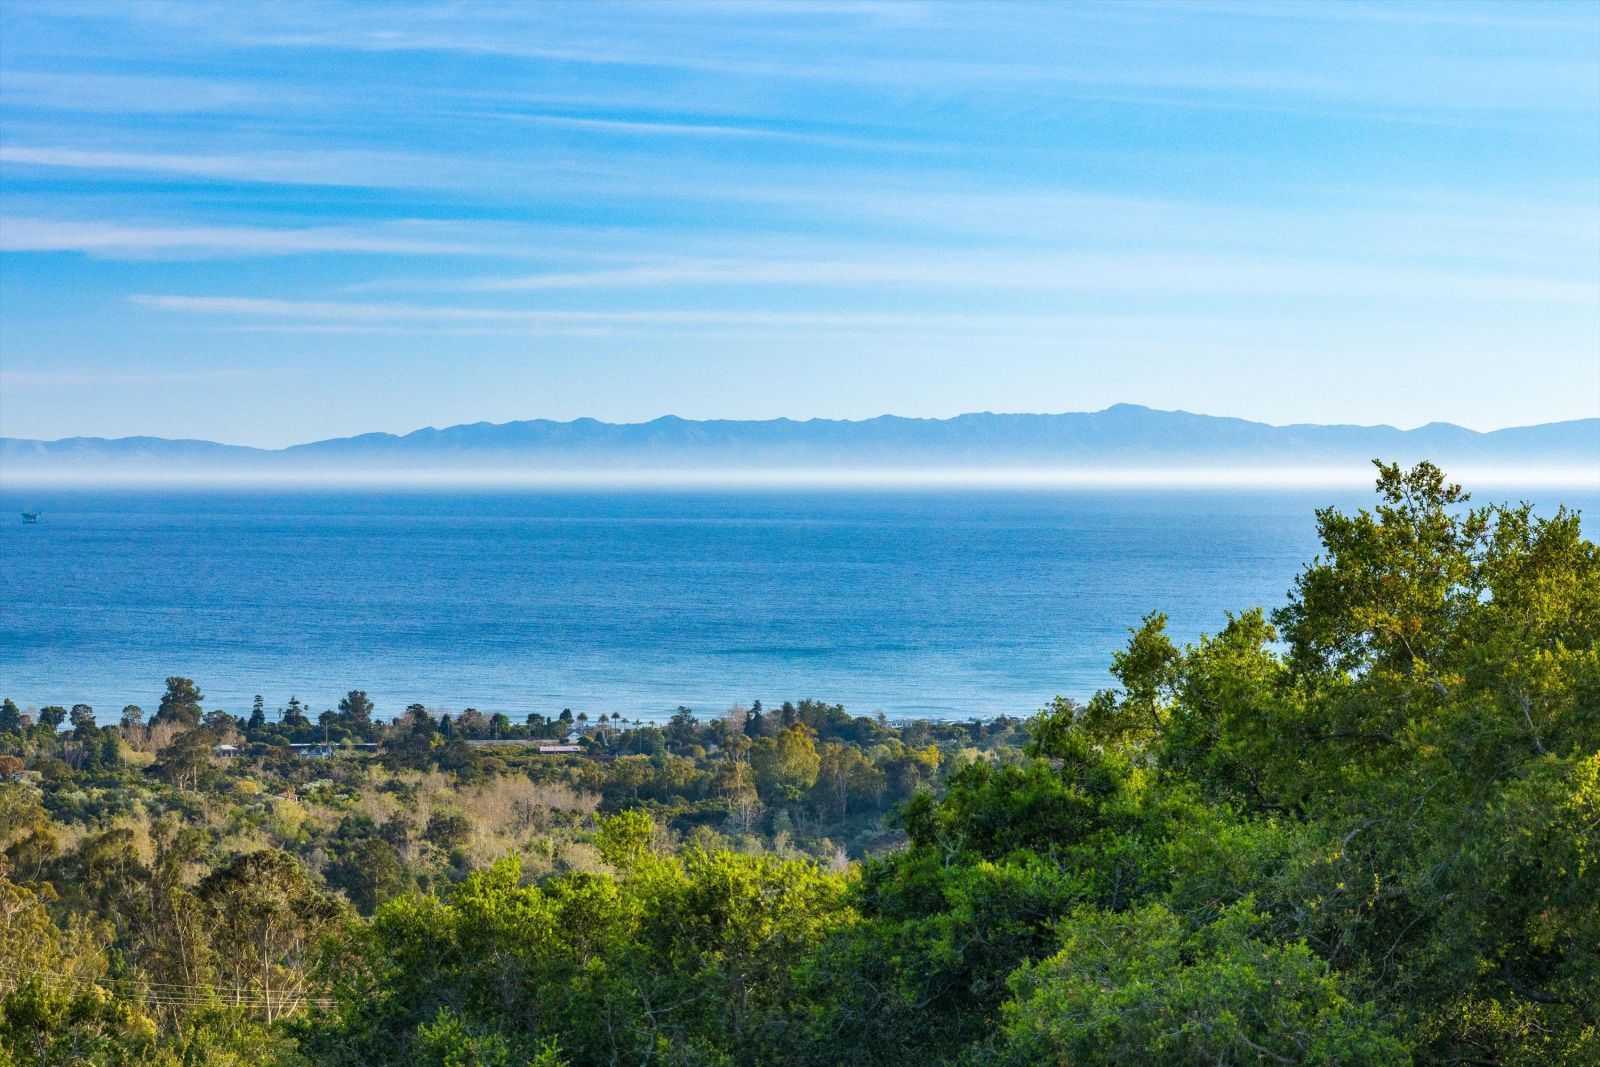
(1123, 437)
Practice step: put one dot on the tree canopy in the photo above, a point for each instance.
(1361, 829)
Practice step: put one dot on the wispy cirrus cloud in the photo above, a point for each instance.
(1433, 63)
(1006, 49)
(94, 379)
(148, 93)
(114, 240)
(1270, 201)
(663, 127)
(1193, 337)
(383, 313)
(1156, 273)
(1514, 17)
(320, 167)
(550, 174)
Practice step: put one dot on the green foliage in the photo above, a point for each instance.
(1416, 764)
(355, 711)
(679, 957)
(10, 717)
(1362, 830)
(625, 838)
(267, 919)
(448, 1041)
(1139, 988)
(180, 704)
(53, 1009)
(186, 762)
(785, 765)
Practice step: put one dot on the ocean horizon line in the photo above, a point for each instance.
(752, 478)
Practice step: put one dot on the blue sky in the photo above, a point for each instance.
(272, 223)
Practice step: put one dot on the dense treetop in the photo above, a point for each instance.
(1363, 829)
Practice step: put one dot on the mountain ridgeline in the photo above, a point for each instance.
(1123, 437)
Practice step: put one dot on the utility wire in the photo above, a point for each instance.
(175, 994)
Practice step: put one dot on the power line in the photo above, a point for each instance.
(175, 994)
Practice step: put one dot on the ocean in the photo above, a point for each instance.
(948, 604)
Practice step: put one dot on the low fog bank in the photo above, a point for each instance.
(1120, 446)
(1267, 477)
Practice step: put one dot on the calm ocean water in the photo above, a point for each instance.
(953, 603)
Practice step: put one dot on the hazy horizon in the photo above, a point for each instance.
(777, 478)
(1124, 446)
(671, 416)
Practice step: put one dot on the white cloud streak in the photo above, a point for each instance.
(1176, 272)
(329, 167)
(668, 128)
(383, 313)
(146, 93)
(1008, 48)
(85, 379)
(123, 241)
